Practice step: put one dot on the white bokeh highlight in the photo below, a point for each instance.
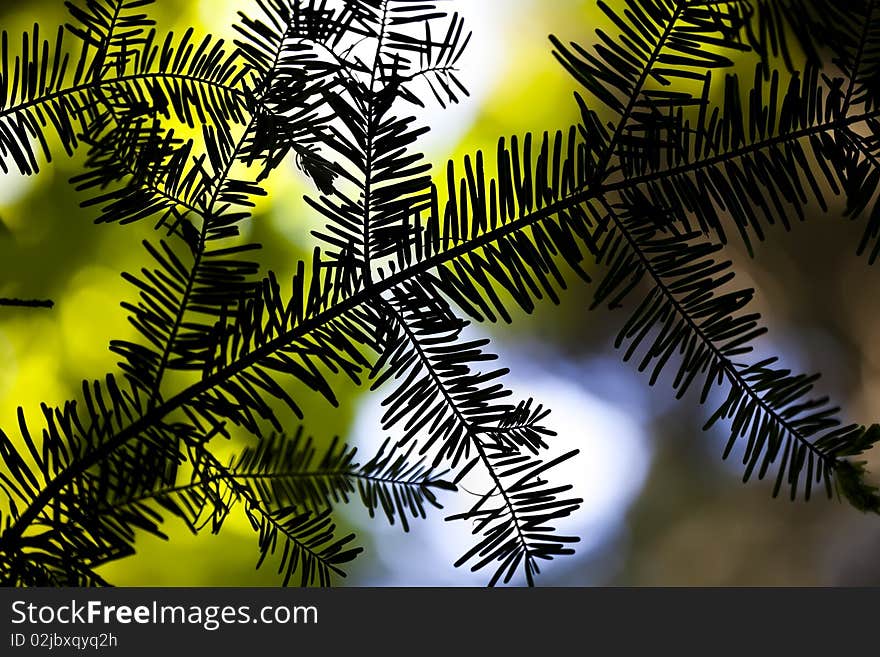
(608, 473)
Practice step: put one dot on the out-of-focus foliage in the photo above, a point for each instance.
(129, 453)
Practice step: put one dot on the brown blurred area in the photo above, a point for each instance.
(695, 523)
(818, 299)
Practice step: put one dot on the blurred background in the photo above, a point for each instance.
(661, 507)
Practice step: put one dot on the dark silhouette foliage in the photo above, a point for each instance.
(676, 154)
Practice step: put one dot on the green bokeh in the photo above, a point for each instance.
(51, 248)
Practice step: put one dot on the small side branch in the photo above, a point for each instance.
(27, 303)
